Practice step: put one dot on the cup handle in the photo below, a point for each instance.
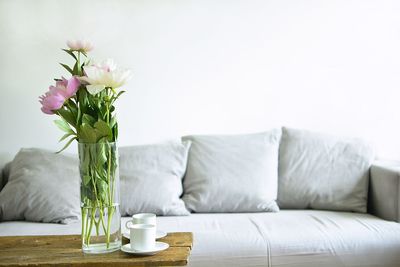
(127, 224)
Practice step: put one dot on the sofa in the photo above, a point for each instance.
(286, 197)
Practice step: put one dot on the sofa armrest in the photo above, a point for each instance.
(384, 197)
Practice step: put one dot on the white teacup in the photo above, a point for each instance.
(142, 236)
(142, 218)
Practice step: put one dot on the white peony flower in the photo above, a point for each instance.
(105, 74)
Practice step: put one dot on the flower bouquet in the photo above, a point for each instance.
(84, 104)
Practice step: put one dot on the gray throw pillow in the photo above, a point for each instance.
(319, 171)
(42, 187)
(232, 173)
(151, 178)
(5, 172)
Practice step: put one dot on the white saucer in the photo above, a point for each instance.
(159, 234)
(158, 247)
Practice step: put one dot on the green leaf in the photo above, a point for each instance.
(87, 134)
(69, 52)
(84, 157)
(66, 145)
(86, 118)
(92, 112)
(83, 100)
(67, 68)
(115, 132)
(117, 96)
(72, 106)
(102, 189)
(76, 69)
(78, 116)
(63, 125)
(65, 136)
(113, 122)
(101, 169)
(68, 116)
(86, 179)
(120, 93)
(102, 157)
(104, 112)
(102, 129)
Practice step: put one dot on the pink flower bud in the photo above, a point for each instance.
(80, 45)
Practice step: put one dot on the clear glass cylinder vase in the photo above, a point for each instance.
(101, 218)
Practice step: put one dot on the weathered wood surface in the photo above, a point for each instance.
(65, 250)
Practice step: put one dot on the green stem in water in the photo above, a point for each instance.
(84, 222)
(110, 215)
(110, 201)
(102, 219)
(93, 213)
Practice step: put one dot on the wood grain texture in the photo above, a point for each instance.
(65, 250)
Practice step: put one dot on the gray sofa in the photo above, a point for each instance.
(289, 237)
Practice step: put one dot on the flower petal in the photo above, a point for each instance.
(95, 88)
(72, 86)
(92, 73)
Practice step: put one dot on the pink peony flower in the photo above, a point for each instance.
(54, 99)
(51, 101)
(80, 45)
(67, 88)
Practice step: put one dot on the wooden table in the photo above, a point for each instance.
(65, 250)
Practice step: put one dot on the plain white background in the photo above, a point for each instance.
(211, 66)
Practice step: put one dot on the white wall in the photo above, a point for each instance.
(212, 66)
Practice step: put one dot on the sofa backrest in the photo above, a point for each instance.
(315, 171)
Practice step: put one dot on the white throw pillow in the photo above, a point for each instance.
(42, 187)
(323, 172)
(151, 178)
(232, 173)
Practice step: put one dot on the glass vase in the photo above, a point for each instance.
(101, 218)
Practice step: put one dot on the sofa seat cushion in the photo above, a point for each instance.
(291, 238)
(288, 238)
